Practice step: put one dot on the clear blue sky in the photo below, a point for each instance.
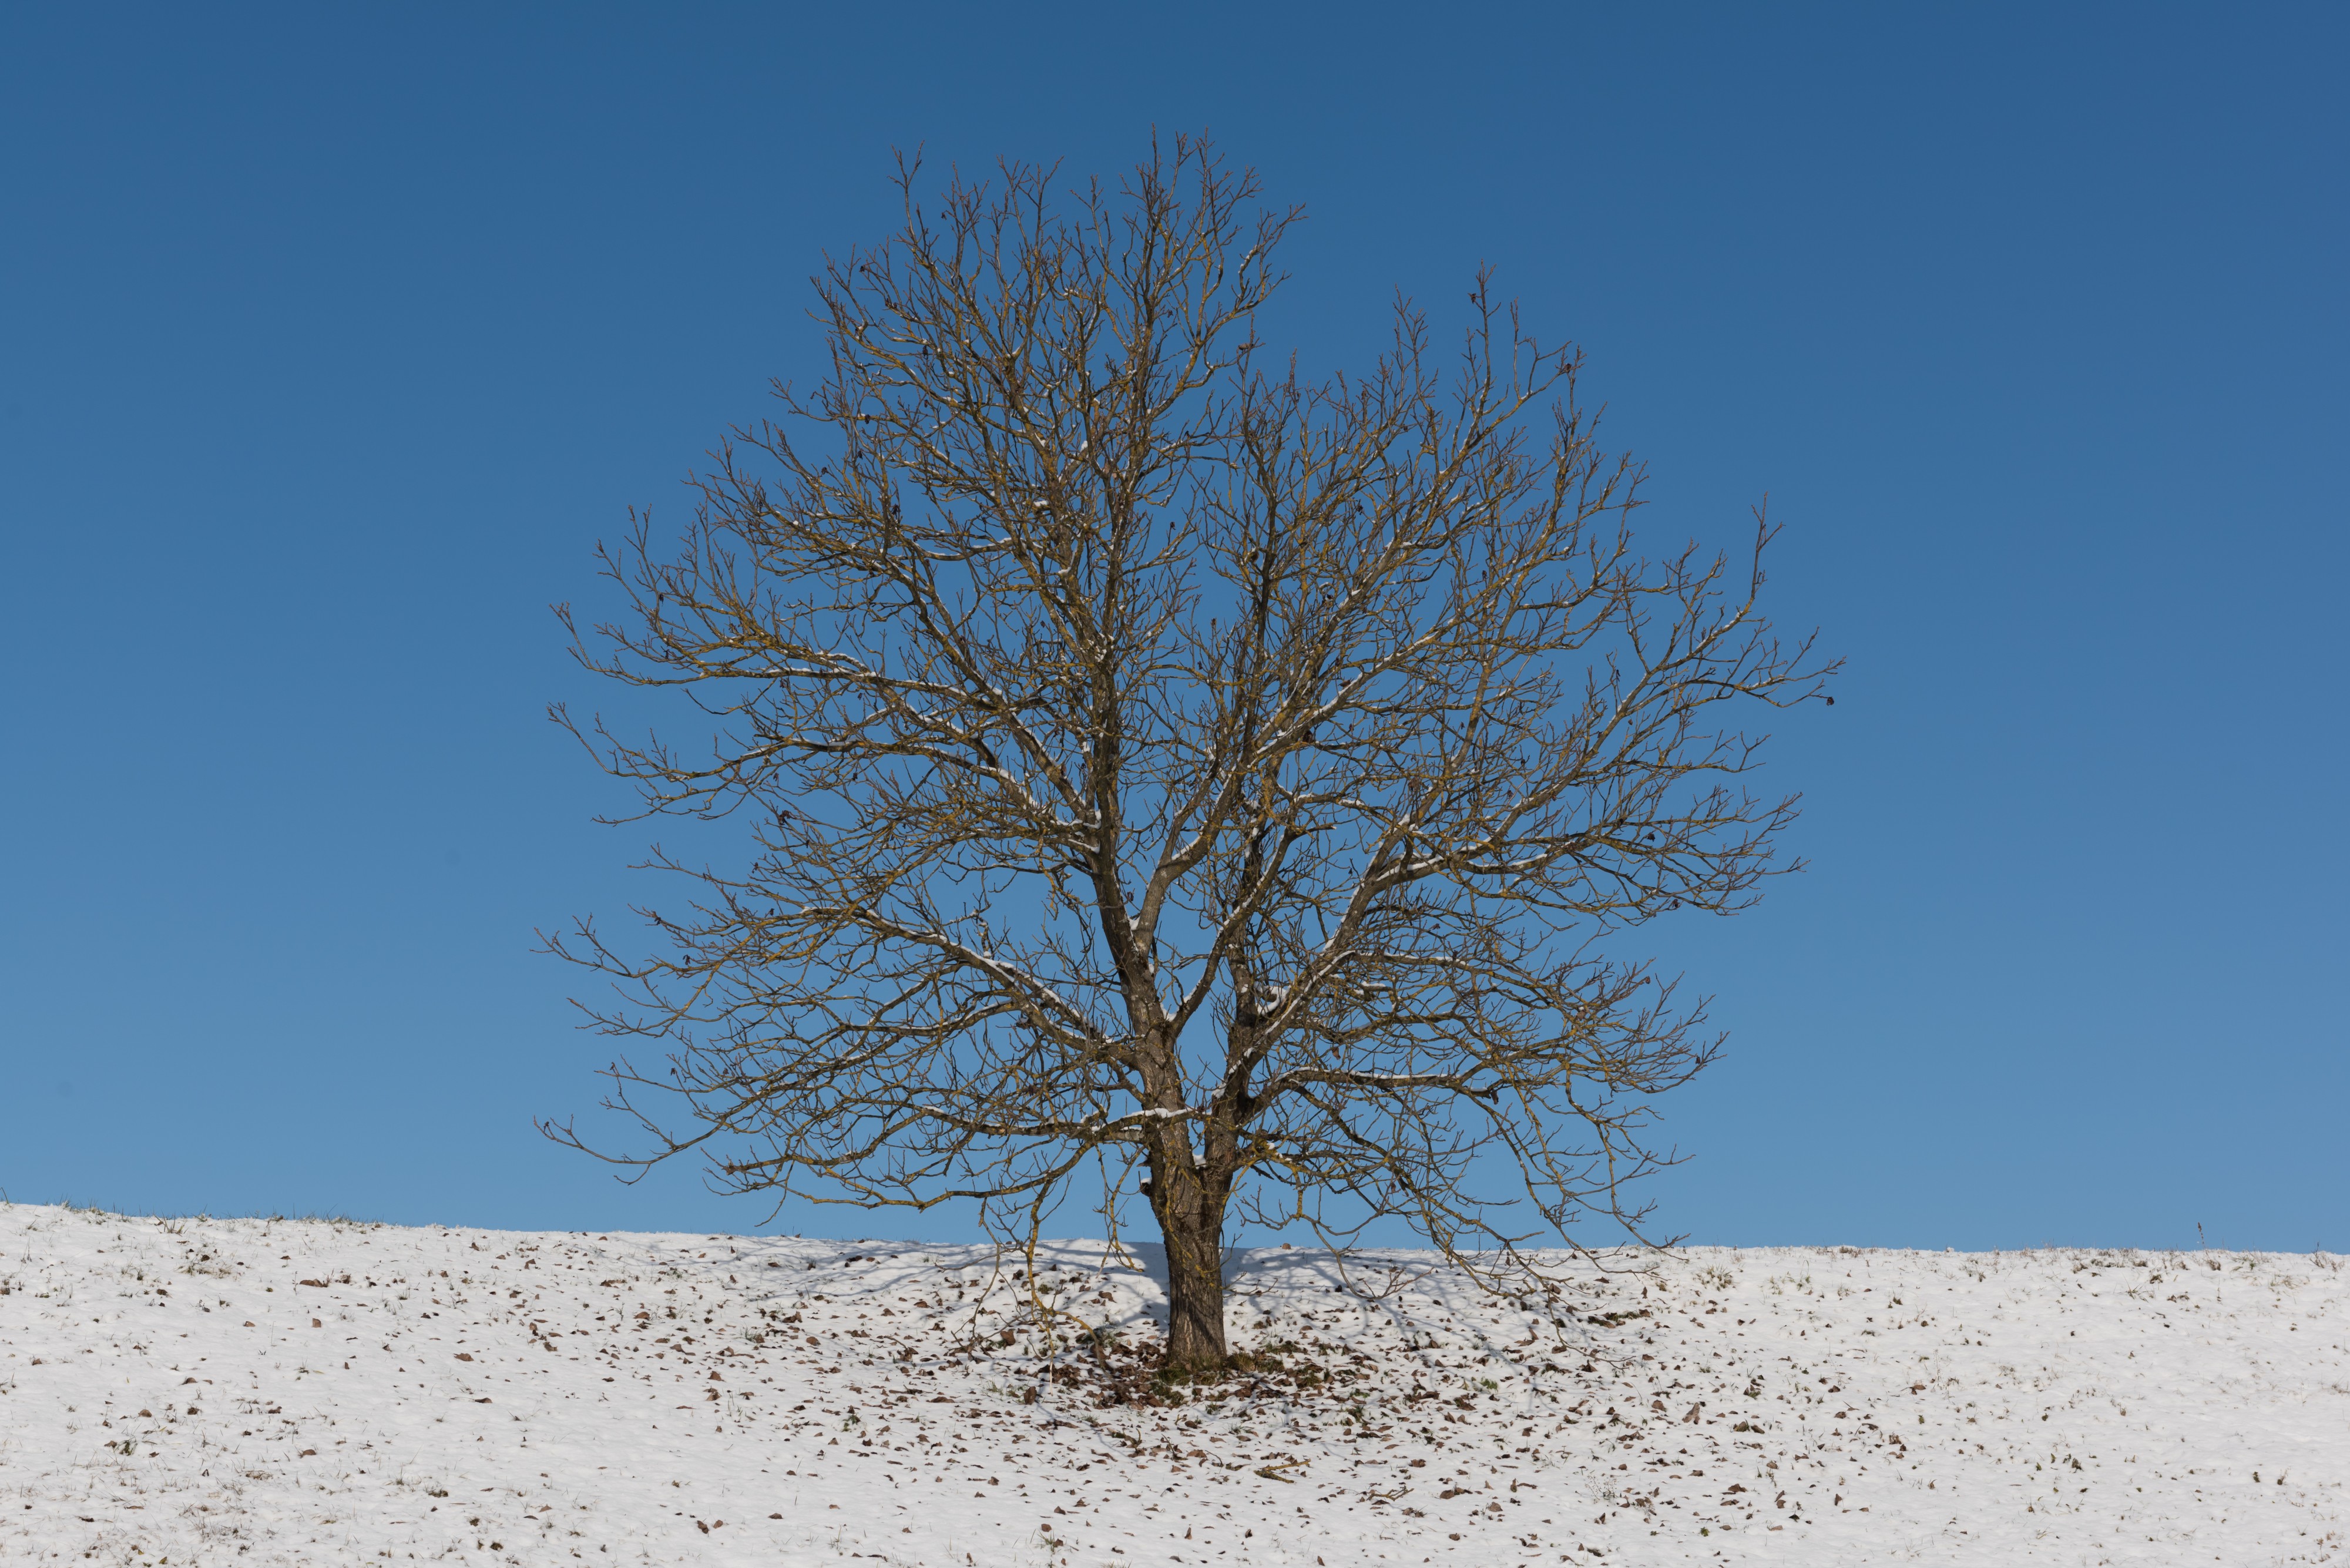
(332, 338)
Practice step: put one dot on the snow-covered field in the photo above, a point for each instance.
(268, 1391)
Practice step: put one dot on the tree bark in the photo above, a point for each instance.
(1195, 1298)
(1190, 1214)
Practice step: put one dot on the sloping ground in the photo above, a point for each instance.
(266, 1392)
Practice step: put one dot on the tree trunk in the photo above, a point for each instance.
(1188, 1202)
(1195, 1289)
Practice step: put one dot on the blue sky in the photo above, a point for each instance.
(331, 341)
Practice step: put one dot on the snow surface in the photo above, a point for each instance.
(269, 1391)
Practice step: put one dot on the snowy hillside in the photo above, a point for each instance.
(266, 1392)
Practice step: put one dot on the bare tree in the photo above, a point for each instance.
(1158, 763)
